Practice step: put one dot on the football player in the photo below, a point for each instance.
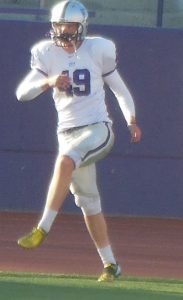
(76, 67)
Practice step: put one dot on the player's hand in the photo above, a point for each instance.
(135, 133)
(62, 82)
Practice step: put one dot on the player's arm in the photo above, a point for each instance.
(33, 85)
(36, 82)
(126, 103)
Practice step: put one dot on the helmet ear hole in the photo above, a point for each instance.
(80, 28)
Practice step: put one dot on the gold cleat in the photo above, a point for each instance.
(32, 239)
(110, 272)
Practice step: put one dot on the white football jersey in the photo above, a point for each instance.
(84, 102)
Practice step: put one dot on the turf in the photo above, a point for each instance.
(29, 286)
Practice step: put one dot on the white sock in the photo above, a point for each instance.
(47, 219)
(106, 255)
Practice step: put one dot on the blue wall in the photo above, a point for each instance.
(140, 179)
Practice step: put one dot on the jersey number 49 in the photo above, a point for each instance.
(81, 80)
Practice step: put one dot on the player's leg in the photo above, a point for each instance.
(78, 148)
(87, 197)
(97, 228)
(57, 193)
(60, 182)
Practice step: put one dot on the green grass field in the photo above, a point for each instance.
(29, 286)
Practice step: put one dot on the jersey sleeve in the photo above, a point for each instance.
(108, 58)
(38, 61)
(122, 93)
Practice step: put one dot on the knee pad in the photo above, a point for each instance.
(89, 205)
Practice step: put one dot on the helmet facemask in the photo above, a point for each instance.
(59, 38)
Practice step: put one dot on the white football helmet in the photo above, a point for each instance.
(69, 12)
